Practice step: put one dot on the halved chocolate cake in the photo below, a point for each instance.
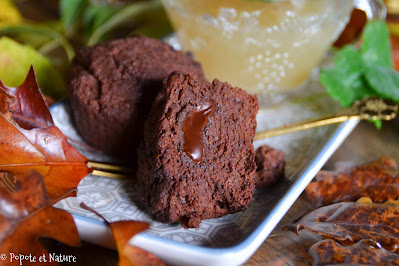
(197, 159)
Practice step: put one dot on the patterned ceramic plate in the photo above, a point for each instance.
(233, 238)
(230, 240)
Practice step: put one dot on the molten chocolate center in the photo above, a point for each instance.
(193, 129)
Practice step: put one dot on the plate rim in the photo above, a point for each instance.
(170, 251)
(242, 251)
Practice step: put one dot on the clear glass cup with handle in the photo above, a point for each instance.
(267, 47)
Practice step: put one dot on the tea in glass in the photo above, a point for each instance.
(265, 47)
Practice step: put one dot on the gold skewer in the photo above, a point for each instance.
(108, 174)
(107, 166)
(300, 126)
(109, 170)
(366, 109)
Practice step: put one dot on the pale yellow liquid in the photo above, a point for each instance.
(264, 48)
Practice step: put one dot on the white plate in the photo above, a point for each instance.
(230, 240)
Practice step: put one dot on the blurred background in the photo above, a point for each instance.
(47, 33)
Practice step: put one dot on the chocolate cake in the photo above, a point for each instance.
(196, 160)
(270, 166)
(113, 84)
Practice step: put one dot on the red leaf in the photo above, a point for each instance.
(44, 149)
(30, 110)
(27, 215)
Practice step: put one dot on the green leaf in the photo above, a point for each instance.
(96, 15)
(365, 72)
(71, 10)
(344, 82)
(126, 14)
(15, 61)
(31, 38)
(349, 63)
(43, 31)
(377, 124)
(376, 46)
(383, 80)
(332, 80)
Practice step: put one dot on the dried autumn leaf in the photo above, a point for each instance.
(27, 215)
(29, 108)
(122, 232)
(44, 149)
(377, 180)
(128, 254)
(365, 252)
(350, 222)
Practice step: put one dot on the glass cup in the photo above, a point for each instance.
(265, 47)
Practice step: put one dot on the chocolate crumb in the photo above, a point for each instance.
(270, 166)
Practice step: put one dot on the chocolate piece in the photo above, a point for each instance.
(193, 128)
(173, 186)
(270, 165)
(113, 84)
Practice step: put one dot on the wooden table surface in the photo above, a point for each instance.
(280, 248)
(365, 143)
